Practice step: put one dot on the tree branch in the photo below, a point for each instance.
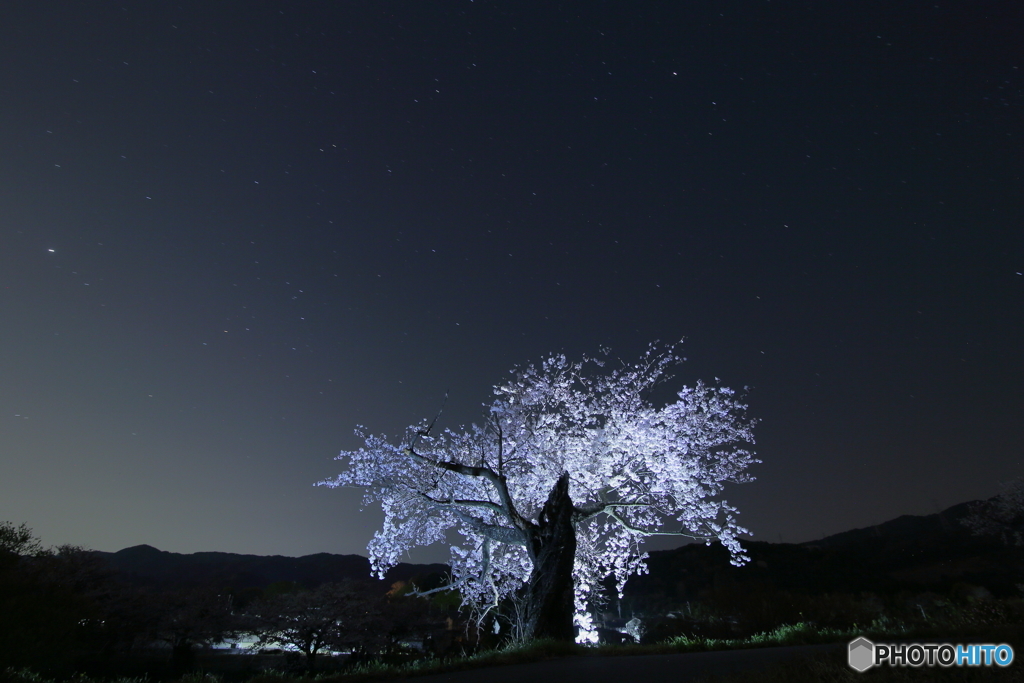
(417, 593)
(585, 512)
(502, 534)
(466, 502)
(644, 532)
(496, 480)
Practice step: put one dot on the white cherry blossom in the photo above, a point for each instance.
(635, 469)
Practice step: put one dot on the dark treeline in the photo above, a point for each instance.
(67, 609)
(142, 611)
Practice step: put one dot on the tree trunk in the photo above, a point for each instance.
(550, 602)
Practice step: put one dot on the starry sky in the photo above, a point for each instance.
(232, 231)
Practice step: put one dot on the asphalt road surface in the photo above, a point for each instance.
(644, 668)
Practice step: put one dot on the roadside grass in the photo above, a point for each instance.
(825, 668)
(515, 654)
(821, 669)
(832, 668)
(816, 668)
(796, 634)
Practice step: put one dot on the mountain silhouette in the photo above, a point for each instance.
(912, 553)
(146, 565)
(915, 553)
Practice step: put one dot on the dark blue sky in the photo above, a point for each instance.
(230, 232)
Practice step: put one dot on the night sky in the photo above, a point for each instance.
(230, 232)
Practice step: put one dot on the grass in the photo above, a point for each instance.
(829, 668)
(788, 635)
(516, 654)
(368, 671)
(797, 634)
(805, 670)
(833, 669)
(12, 675)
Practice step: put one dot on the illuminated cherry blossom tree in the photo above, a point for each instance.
(573, 466)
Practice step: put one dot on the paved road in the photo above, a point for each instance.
(646, 668)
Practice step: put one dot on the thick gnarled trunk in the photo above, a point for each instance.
(553, 547)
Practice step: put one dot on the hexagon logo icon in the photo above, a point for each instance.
(861, 654)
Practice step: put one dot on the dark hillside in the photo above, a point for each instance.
(147, 566)
(910, 553)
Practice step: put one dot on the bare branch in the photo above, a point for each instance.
(585, 512)
(426, 432)
(502, 534)
(496, 480)
(466, 502)
(417, 593)
(647, 532)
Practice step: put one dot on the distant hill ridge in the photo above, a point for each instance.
(905, 526)
(911, 551)
(146, 565)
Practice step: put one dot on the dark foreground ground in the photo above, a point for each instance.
(647, 668)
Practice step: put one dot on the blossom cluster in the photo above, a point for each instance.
(636, 469)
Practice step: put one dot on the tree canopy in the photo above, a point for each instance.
(338, 615)
(573, 445)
